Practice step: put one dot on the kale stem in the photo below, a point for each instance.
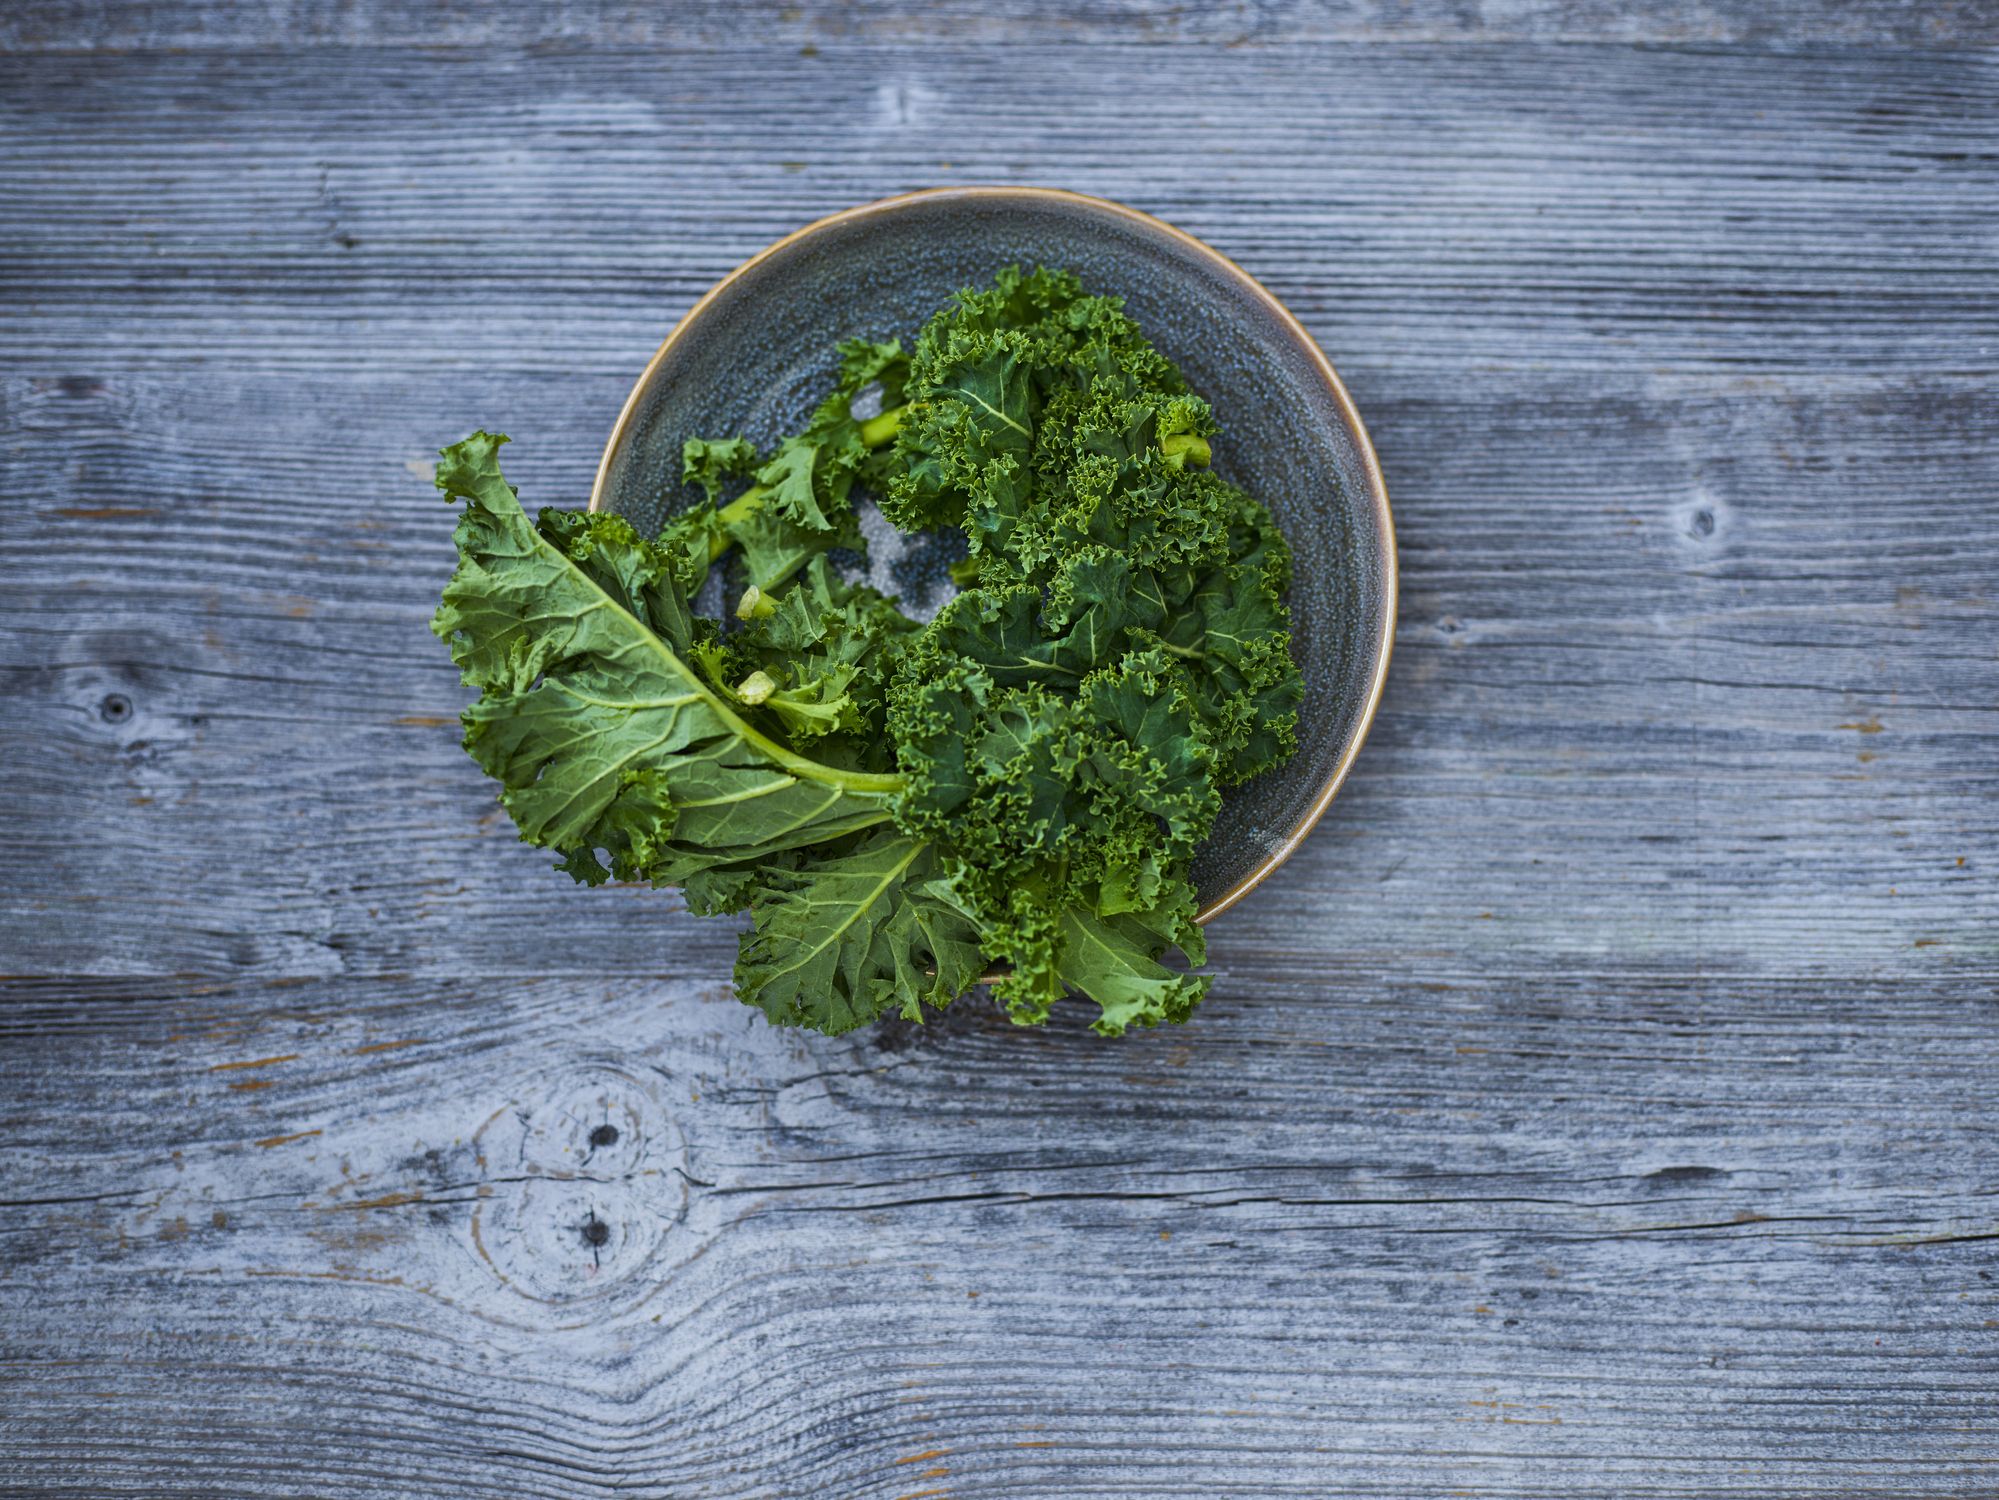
(771, 585)
(882, 429)
(743, 506)
(1187, 651)
(737, 510)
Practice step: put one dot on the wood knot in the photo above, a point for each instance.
(1702, 519)
(583, 1186)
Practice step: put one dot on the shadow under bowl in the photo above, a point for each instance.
(756, 354)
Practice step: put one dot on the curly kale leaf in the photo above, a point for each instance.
(808, 479)
(1112, 959)
(1067, 822)
(1231, 642)
(713, 462)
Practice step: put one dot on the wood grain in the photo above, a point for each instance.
(1602, 1103)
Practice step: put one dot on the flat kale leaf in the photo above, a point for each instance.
(602, 735)
(839, 941)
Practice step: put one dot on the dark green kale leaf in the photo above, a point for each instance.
(1231, 646)
(1045, 804)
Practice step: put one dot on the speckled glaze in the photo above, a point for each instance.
(756, 354)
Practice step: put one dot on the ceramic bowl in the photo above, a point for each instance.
(756, 353)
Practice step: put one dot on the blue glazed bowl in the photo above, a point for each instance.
(756, 353)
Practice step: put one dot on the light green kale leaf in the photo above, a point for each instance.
(809, 478)
(713, 462)
(813, 659)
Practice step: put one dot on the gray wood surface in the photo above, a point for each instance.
(1605, 1102)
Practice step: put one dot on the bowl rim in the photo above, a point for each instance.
(1377, 485)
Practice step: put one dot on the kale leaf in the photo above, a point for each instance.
(1021, 783)
(602, 734)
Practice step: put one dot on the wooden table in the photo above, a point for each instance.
(1605, 1102)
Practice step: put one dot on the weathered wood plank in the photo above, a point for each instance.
(1575, 1234)
(1611, 734)
(1457, 213)
(96, 26)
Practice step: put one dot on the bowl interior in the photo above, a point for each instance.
(759, 355)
